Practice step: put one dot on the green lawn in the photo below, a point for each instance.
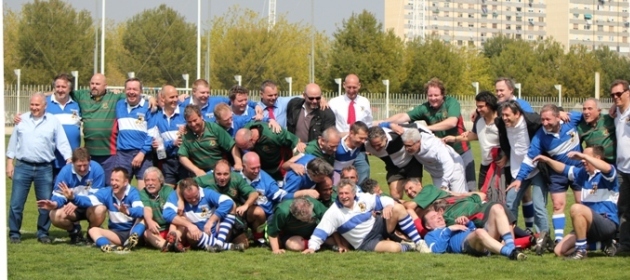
(31, 260)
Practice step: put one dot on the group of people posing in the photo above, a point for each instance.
(292, 173)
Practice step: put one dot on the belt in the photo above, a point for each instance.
(34, 163)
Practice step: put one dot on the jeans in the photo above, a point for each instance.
(363, 167)
(539, 199)
(23, 175)
(624, 213)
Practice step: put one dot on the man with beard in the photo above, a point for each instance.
(158, 232)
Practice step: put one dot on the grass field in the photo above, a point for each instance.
(32, 260)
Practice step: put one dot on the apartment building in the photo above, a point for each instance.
(593, 23)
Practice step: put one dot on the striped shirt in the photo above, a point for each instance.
(118, 221)
(133, 126)
(69, 115)
(210, 203)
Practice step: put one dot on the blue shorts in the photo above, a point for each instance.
(124, 159)
(457, 241)
(560, 183)
(173, 171)
(108, 163)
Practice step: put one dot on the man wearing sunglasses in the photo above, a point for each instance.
(305, 118)
(621, 98)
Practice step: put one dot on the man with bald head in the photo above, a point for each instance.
(305, 118)
(597, 129)
(168, 125)
(32, 145)
(349, 109)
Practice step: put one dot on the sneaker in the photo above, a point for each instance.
(238, 247)
(610, 249)
(112, 248)
(44, 240)
(577, 255)
(77, 239)
(132, 241)
(422, 247)
(214, 248)
(541, 242)
(517, 255)
(15, 240)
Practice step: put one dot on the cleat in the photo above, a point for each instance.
(517, 255)
(175, 245)
(77, 239)
(238, 247)
(577, 255)
(551, 245)
(610, 249)
(541, 242)
(214, 248)
(422, 247)
(131, 242)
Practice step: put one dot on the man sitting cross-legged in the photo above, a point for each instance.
(83, 176)
(125, 210)
(208, 217)
(465, 238)
(352, 216)
(595, 218)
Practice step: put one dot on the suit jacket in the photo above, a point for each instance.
(532, 121)
(322, 119)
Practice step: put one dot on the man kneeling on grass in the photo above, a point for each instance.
(208, 217)
(595, 218)
(363, 220)
(465, 238)
(125, 210)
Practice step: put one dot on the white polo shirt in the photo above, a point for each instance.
(622, 129)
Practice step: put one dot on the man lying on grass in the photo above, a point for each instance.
(465, 238)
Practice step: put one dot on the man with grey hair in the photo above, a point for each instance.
(305, 118)
(153, 197)
(597, 129)
(315, 170)
(444, 165)
(32, 145)
(293, 223)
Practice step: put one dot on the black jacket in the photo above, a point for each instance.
(533, 124)
(322, 119)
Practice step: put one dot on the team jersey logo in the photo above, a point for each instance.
(88, 184)
(232, 192)
(140, 118)
(204, 212)
(105, 106)
(266, 149)
(75, 113)
(262, 199)
(213, 142)
(594, 190)
(209, 115)
(605, 133)
(362, 206)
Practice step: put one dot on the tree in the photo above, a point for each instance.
(242, 44)
(495, 45)
(614, 66)
(159, 46)
(576, 72)
(11, 61)
(428, 58)
(53, 38)
(361, 47)
(476, 69)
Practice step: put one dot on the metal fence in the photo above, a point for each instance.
(398, 102)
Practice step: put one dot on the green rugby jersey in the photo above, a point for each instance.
(602, 133)
(283, 222)
(237, 188)
(207, 149)
(312, 148)
(157, 204)
(100, 128)
(273, 148)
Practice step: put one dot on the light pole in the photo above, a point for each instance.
(198, 39)
(18, 73)
(131, 75)
(75, 74)
(476, 86)
(103, 38)
(518, 86)
(238, 78)
(290, 81)
(559, 88)
(338, 82)
(186, 78)
(386, 83)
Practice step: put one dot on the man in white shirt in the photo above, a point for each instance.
(620, 93)
(350, 108)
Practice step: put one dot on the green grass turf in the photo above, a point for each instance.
(31, 260)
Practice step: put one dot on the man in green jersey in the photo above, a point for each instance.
(597, 129)
(158, 232)
(273, 148)
(205, 143)
(325, 145)
(232, 184)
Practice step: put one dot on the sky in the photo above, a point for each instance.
(329, 14)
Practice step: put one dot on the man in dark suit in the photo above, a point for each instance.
(304, 116)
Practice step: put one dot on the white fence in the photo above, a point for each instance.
(398, 102)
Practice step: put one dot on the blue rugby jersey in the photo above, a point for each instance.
(294, 182)
(168, 128)
(69, 116)
(269, 192)
(600, 191)
(86, 185)
(133, 126)
(210, 203)
(117, 221)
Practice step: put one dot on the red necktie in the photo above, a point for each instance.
(271, 115)
(352, 118)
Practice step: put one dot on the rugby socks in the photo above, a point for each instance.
(408, 227)
(224, 228)
(102, 241)
(206, 240)
(420, 227)
(508, 239)
(138, 229)
(580, 244)
(522, 242)
(595, 246)
(558, 221)
(528, 214)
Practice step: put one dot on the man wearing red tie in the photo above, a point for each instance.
(350, 108)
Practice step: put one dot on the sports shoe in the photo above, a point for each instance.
(551, 245)
(15, 240)
(422, 247)
(610, 248)
(517, 255)
(238, 247)
(77, 239)
(541, 242)
(132, 241)
(214, 248)
(44, 240)
(113, 248)
(577, 255)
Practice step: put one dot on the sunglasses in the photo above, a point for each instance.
(617, 94)
(315, 98)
